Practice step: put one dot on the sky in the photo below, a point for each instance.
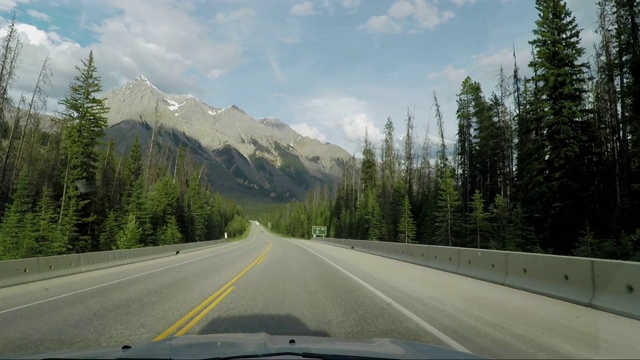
(328, 68)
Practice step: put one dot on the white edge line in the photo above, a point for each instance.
(112, 282)
(439, 334)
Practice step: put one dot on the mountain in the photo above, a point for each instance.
(255, 161)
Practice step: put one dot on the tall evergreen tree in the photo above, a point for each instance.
(49, 240)
(18, 230)
(478, 218)
(406, 224)
(447, 219)
(131, 235)
(464, 146)
(369, 164)
(85, 121)
(559, 81)
(109, 232)
(389, 169)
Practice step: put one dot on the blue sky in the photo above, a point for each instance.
(328, 68)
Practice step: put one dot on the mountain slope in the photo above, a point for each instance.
(255, 161)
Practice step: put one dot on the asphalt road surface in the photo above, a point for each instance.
(282, 286)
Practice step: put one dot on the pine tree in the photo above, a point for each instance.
(406, 224)
(18, 230)
(408, 156)
(447, 217)
(369, 166)
(388, 177)
(133, 167)
(129, 237)
(85, 121)
(196, 212)
(238, 225)
(109, 232)
(106, 180)
(442, 161)
(376, 226)
(502, 238)
(465, 148)
(137, 206)
(162, 202)
(478, 217)
(170, 233)
(50, 241)
(424, 213)
(560, 80)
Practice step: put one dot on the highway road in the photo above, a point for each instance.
(283, 286)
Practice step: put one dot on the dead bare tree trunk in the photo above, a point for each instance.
(7, 154)
(11, 47)
(154, 132)
(39, 95)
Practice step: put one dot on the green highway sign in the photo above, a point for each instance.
(319, 231)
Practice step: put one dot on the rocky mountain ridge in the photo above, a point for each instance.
(255, 160)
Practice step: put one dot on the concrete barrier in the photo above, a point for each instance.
(56, 266)
(14, 272)
(487, 265)
(22, 271)
(119, 256)
(338, 242)
(561, 277)
(95, 260)
(417, 254)
(444, 258)
(607, 285)
(617, 287)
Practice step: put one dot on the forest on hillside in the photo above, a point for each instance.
(548, 163)
(65, 189)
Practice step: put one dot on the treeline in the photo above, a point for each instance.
(63, 189)
(548, 163)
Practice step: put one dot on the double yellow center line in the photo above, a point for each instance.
(211, 301)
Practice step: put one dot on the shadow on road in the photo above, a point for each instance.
(270, 324)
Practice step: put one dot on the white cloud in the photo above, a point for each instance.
(239, 23)
(487, 65)
(64, 55)
(449, 73)
(401, 9)
(330, 109)
(302, 9)
(428, 15)
(411, 14)
(461, 3)
(134, 42)
(172, 54)
(305, 129)
(351, 4)
(34, 36)
(275, 67)
(215, 73)
(235, 16)
(381, 24)
(343, 117)
(354, 128)
(8, 5)
(38, 15)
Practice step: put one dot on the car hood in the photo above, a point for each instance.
(261, 344)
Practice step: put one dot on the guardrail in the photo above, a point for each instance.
(608, 285)
(22, 271)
